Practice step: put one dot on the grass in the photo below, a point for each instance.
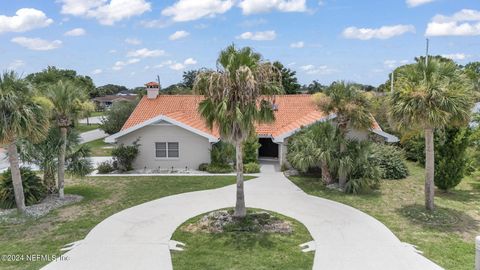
(446, 236)
(93, 114)
(98, 148)
(246, 250)
(84, 127)
(103, 196)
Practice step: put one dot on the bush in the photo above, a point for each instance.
(222, 153)
(250, 150)
(203, 167)
(124, 156)
(363, 175)
(33, 188)
(251, 167)
(116, 116)
(390, 159)
(219, 168)
(105, 167)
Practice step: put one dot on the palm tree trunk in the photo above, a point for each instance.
(16, 177)
(61, 162)
(326, 176)
(49, 179)
(342, 176)
(240, 210)
(429, 170)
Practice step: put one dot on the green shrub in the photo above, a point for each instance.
(124, 156)
(222, 153)
(116, 116)
(203, 167)
(105, 167)
(33, 188)
(250, 150)
(219, 168)
(391, 160)
(362, 174)
(251, 167)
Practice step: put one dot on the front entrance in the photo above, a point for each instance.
(268, 148)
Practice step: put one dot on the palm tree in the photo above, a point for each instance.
(68, 101)
(238, 94)
(315, 147)
(428, 96)
(351, 107)
(22, 116)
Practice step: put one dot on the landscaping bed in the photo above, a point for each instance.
(263, 240)
(445, 236)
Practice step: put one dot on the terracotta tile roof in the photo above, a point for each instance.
(151, 84)
(294, 111)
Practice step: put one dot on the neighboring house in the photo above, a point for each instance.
(171, 132)
(106, 102)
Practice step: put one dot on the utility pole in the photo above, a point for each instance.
(426, 55)
(391, 80)
(158, 80)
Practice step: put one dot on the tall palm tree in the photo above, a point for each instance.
(351, 107)
(238, 94)
(22, 116)
(429, 96)
(315, 147)
(68, 101)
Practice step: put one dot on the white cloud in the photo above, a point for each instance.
(466, 22)
(177, 66)
(415, 3)
(163, 64)
(391, 64)
(256, 6)
(384, 32)
(456, 56)
(121, 64)
(144, 53)
(16, 64)
(190, 61)
(97, 71)
(299, 44)
(106, 12)
(320, 70)
(178, 35)
(37, 44)
(76, 32)
(25, 19)
(189, 10)
(112, 51)
(133, 41)
(155, 24)
(260, 36)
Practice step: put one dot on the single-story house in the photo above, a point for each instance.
(107, 101)
(171, 132)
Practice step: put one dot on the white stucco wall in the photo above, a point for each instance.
(193, 148)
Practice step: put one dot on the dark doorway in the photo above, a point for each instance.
(268, 148)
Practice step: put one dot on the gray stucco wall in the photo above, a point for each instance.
(193, 149)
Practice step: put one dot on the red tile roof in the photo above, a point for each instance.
(294, 111)
(151, 84)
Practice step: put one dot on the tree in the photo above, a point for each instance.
(108, 89)
(69, 102)
(473, 72)
(315, 146)
(238, 94)
(289, 80)
(52, 75)
(189, 78)
(351, 107)
(118, 114)
(44, 154)
(429, 96)
(23, 116)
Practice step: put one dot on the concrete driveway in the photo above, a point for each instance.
(92, 120)
(138, 237)
(92, 135)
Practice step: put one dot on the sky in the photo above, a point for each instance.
(130, 42)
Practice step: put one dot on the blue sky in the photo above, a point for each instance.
(129, 42)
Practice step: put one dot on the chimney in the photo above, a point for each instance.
(152, 90)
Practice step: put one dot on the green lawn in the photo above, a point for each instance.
(242, 250)
(84, 127)
(447, 237)
(98, 148)
(93, 114)
(104, 196)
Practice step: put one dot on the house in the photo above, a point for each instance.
(171, 132)
(107, 101)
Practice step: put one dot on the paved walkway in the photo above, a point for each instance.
(92, 135)
(92, 120)
(138, 237)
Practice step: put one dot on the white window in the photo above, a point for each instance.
(167, 150)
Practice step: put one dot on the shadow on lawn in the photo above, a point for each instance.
(248, 241)
(442, 219)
